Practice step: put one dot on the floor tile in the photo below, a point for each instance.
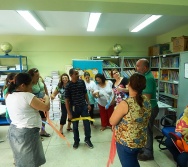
(58, 153)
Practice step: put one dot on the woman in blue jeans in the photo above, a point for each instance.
(180, 158)
(130, 119)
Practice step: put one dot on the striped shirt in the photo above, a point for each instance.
(75, 92)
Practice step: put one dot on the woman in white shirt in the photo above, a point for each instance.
(23, 132)
(105, 98)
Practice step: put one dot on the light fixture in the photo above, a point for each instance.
(93, 21)
(32, 19)
(145, 21)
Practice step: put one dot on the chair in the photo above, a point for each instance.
(168, 122)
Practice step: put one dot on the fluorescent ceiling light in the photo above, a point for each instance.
(32, 19)
(145, 21)
(93, 21)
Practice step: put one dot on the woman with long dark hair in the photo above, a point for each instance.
(130, 119)
(63, 81)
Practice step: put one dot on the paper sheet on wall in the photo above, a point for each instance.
(186, 70)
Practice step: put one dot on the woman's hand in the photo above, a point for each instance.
(89, 107)
(69, 116)
(96, 94)
(185, 132)
(52, 97)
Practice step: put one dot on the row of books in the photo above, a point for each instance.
(170, 62)
(107, 73)
(169, 75)
(169, 88)
(128, 73)
(130, 62)
(155, 62)
(108, 64)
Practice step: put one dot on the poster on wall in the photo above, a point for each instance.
(91, 66)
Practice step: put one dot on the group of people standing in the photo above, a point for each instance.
(127, 106)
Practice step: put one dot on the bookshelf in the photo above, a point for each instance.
(8, 64)
(128, 65)
(154, 66)
(109, 62)
(172, 81)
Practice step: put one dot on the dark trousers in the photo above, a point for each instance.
(76, 113)
(180, 158)
(91, 113)
(148, 149)
(63, 114)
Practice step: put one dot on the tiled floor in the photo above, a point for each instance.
(58, 153)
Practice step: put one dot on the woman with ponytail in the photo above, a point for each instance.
(23, 132)
(130, 119)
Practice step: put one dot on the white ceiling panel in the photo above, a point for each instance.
(61, 23)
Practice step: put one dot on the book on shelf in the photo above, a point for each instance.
(107, 73)
(109, 64)
(130, 62)
(125, 74)
(165, 75)
(173, 75)
(176, 61)
(155, 62)
(155, 74)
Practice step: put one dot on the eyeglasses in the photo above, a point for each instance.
(116, 72)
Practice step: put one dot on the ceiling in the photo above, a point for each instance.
(73, 21)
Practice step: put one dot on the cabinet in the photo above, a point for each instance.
(109, 62)
(171, 72)
(8, 64)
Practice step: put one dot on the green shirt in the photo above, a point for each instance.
(150, 88)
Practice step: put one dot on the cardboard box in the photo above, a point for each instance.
(180, 44)
(158, 49)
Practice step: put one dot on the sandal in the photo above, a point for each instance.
(70, 130)
(45, 135)
(102, 129)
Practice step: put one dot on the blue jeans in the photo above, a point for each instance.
(83, 112)
(127, 156)
(180, 158)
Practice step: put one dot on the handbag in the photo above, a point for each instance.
(179, 142)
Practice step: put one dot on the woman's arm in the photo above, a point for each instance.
(119, 112)
(53, 95)
(45, 88)
(41, 105)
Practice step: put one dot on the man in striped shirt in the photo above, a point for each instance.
(77, 104)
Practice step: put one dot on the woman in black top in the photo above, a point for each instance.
(119, 86)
